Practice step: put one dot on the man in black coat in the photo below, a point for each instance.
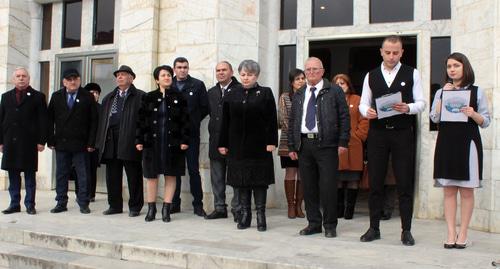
(23, 133)
(318, 132)
(218, 165)
(72, 128)
(195, 93)
(116, 143)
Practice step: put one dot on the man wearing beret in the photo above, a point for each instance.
(116, 143)
(72, 129)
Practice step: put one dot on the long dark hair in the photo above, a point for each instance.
(292, 75)
(467, 74)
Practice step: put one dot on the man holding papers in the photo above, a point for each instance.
(398, 89)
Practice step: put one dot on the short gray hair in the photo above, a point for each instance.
(20, 68)
(249, 66)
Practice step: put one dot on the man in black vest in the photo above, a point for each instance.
(318, 132)
(392, 135)
(116, 143)
(23, 133)
(195, 92)
(72, 128)
(218, 164)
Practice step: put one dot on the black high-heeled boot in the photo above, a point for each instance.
(260, 196)
(246, 212)
(350, 203)
(151, 215)
(165, 212)
(340, 202)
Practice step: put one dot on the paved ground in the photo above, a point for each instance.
(218, 244)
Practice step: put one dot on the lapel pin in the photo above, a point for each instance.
(78, 100)
(403, 83)
(175, 101)
(28, 93)
(190, 93)
(159, 99)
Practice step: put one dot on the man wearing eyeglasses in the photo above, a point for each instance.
(319, 128)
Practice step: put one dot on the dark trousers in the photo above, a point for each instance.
(193, 164)
(319, 176)
(15, 188)
(114, 178)
(92, 182)
(64, 162)
(218, 169)
(401, 144)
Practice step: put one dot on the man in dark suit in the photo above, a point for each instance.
(195, 92)
(72, 129)
(218, 164)
(116, 143)
(318, 132)
(392, 135)
(23, 133)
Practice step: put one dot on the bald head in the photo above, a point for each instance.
(21, 78)
(313, 68)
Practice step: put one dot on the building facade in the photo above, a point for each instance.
(96, 36)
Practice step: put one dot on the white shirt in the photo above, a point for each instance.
(418, 104)
(303, 128)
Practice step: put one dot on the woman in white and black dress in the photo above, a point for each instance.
(162, 135)
(458, 158)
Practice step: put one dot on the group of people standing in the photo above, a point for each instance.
(325, 128)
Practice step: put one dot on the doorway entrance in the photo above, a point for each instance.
(356, 57)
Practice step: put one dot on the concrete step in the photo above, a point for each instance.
(15, 256)
(65, 247)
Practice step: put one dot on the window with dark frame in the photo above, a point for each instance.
(332, 13)
(46, 26)
(288, 18)
(287, 62)
(391, 10)
(104, 22)
(45, 78)
(72, 24)
(440, 49)
(441, 10)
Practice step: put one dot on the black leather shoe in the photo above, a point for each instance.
(58, 209)
(92, 199)
(330, 233)
(198, 211)
(407, 238)
(31, 210)
(134, 213)
(85, 209)
(12, 209)
(112, 211)
(449, 246)
(175, 208)
(370, 235)
(310, 230)
(217, 215)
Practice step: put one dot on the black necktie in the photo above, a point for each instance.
(311, 111)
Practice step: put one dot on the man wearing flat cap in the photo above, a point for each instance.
(72, 128)
(116, 143)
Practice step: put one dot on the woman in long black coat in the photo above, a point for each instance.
(162, 135)
(249, 134)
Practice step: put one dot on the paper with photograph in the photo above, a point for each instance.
(452, 102)
(385, 103)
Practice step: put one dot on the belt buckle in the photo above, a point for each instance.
(311, 135)
(390, 127)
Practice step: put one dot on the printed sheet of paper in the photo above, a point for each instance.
(451, 103)
(385, 103)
